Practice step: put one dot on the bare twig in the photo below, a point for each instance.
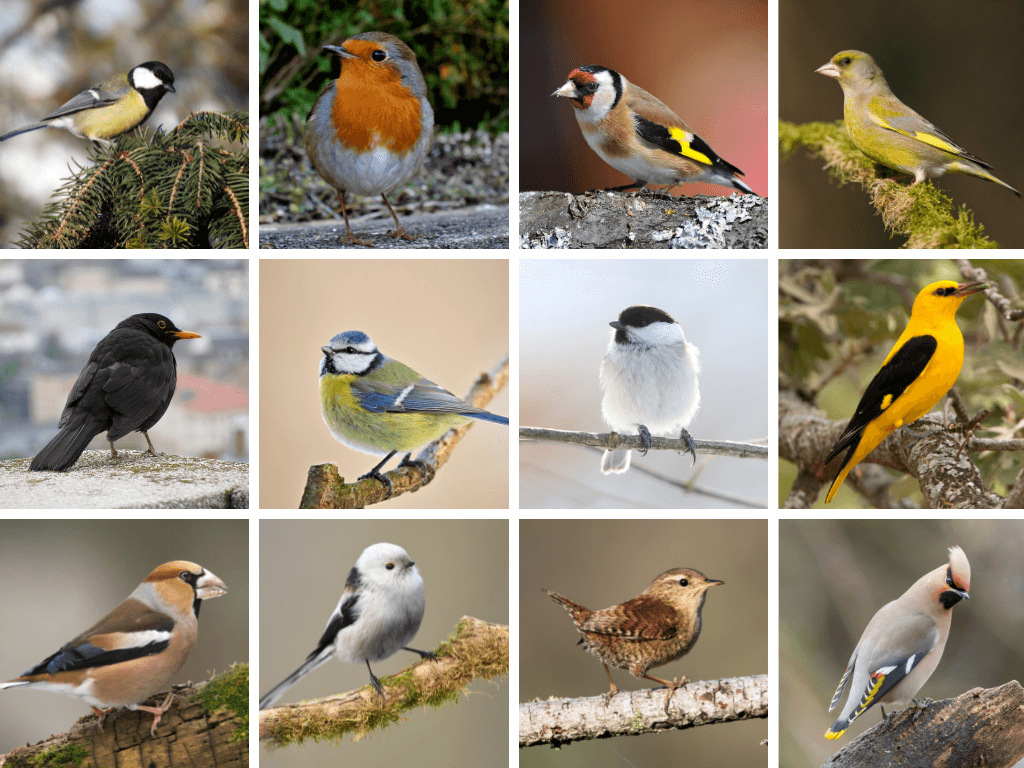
(613, 441)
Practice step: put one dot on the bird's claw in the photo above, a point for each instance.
(376, 475)
(684, 435)
(645, 438)
(419, 464)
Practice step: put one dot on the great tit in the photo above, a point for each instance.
(114, 107)
(379, 406)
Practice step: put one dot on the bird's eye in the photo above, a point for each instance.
(161, 324)
(378, 55)
(684, 583)
(186, 576)
(349, 350)
(846, 61)
(390, 566)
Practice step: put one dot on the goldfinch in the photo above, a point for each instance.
(891, 133)
(135, 650)
(636, 134)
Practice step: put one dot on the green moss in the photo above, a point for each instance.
(69, 755)
(230, 691)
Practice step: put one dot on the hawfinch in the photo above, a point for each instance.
(135, 650)
(903, 643)
(638, 135)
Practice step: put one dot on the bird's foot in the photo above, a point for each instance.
(376, 686)
(922, 704)
(428, 655)
(151, 450)
(376, 475)
(420, 464)
(611, 692)
(100, 715)
(351, 239)
(684, 435)
(400, 232)
(157, 712)
(672, 685)
(645, 438)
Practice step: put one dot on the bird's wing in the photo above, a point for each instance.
(907, 643)
(903, 368)
(910, 124)
(140, 380)
(642, 618)
(90, 99)
(77, 391)
(422, 397)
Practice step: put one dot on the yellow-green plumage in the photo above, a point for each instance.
(891, 133)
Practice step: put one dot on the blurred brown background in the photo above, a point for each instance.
(464, 565)
(959, 65)
(834, 575)
(61, 576)
(599, 564)
(708, 62)
(446, 319)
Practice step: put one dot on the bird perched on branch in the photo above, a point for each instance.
(125, 387)
(379, 612)
(649, 377)
(654, 628)
(377, 405)
(135, 650)
(636, 134)
(891, 133)
(917, 373)
(902, 644)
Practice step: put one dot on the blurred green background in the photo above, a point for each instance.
(462, 50)
(959, 65)
(834, 575)
(61, 576)
(599, 564)
(464, 565)
(856, 309)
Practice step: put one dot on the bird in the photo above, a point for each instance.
(891, 133)
(125, 387)
(916, 374)
(656, 627)
(902, 644)
(376, 405)
(649, 378)
(639, 136)
(378, 615)
(134, 651)
(369, 131)
(111, 108)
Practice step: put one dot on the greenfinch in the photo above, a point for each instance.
(891, 133)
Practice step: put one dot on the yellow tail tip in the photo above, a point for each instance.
(832, 735)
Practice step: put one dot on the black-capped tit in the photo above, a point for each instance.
(112, 108)
(649, 377)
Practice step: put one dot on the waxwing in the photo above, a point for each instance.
(903, 643)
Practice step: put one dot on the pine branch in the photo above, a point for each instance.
(555, 722)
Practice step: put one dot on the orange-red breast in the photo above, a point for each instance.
(369, 130)
(637, 134)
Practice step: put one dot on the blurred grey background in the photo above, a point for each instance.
(726, 308)
(834, 575)
(599, 564)
(61, 576)
(464, 565)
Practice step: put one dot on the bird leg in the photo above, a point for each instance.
(152, 450)
(399, 232)
(684, 435)
(100, 715)
(645, 438)
(614, 688)
(157, 712)
(671, 685)
(113, 453)
(423, 654)
(351, 238)
(375, 682)
(376, 475)
(639, 184)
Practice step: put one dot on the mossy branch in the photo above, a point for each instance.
(630, 713)
(920, 212)
(478, 649)
(207, 726)
(327, 489)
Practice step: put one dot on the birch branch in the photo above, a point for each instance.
(613, 441)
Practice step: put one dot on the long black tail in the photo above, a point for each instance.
(63, 451)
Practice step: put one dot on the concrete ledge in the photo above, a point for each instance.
(134, 480)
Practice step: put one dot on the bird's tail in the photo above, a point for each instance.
(615, 462)
(973, 169)
(25, 129)
(63, 451)
(485, 416)
(579, 613)
(315, 660)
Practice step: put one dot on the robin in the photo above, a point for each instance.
(370, 130)
(125, 387)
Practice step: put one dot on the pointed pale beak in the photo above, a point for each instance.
(209, 586)
(568, 90)
(829, 70)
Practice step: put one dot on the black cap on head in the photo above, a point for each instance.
(641, 316)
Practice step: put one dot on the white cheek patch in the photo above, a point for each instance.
(144, 78)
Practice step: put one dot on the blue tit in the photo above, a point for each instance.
(114, 107)
(377, 405)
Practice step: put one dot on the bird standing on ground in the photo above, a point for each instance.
(135, 650)
(902, 644)
(125, 387)
(369, 130)
(112, 108)
(917, 373)
(377, 405)
(379, 612)
(639, 136)
(649, 377)
(891, 133)
(657, 627)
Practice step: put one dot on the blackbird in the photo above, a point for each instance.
(125, 387)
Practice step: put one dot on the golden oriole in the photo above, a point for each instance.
(916, 374)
